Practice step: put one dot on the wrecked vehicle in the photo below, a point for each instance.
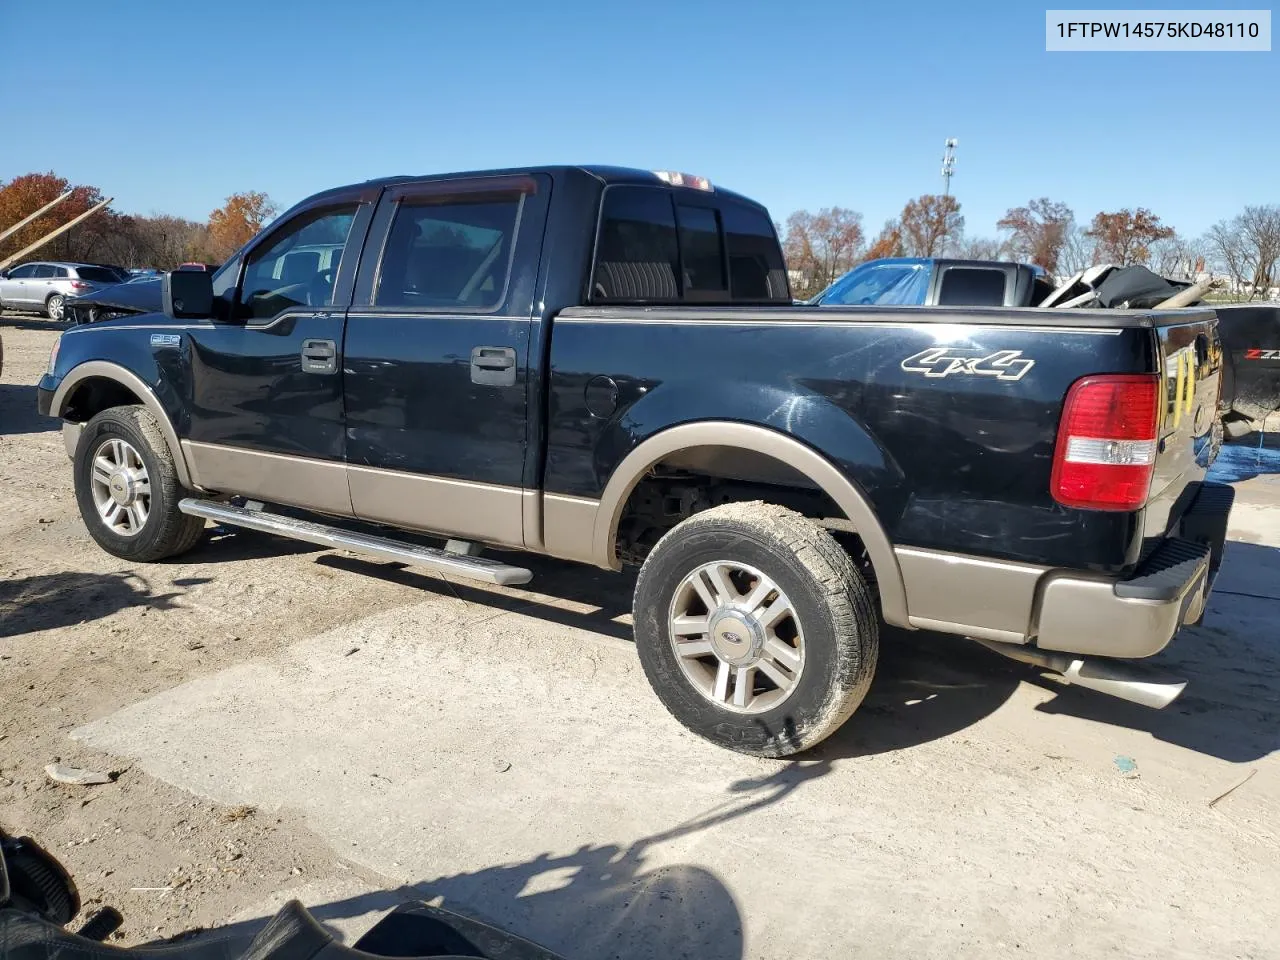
(134, 296)
(605, 366)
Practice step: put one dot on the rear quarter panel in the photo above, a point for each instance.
(952, 458)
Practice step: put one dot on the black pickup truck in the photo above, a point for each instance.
(606, 365)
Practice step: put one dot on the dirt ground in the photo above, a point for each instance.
(284, 721)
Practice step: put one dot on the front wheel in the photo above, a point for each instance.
(755, 629)
(55, 306)
(127, 487)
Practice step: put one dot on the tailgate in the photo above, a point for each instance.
(1191, 357)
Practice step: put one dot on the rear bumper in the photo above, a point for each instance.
(1070, 611)
(1138, 617)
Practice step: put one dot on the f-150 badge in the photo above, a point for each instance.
(946, 361)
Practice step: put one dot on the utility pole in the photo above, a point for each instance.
(948, 164)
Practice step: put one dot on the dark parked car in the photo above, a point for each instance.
(605, 365)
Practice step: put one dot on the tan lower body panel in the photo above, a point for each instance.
(992, 599)
(569, 527)
(439, 505)
(319, 485)
(71, 437)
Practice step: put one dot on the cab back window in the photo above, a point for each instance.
(657, 245)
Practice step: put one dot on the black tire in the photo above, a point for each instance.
(55, 307)
(831, 601)
(166, 532)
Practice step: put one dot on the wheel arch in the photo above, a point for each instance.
(778, 446)
(87, 376)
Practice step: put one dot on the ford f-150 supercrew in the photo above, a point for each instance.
(606, 366)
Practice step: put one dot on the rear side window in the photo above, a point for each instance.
(757, 271)
(973, 287)
(98, 274)
(449, 253)
(637, 258)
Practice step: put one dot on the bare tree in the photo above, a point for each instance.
(1248, 247)
(1176, 257)
(982, 248)
(1078, 252)
(822, 246)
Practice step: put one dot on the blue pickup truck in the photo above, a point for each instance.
(930, 281)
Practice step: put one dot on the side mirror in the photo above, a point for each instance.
(187, 294)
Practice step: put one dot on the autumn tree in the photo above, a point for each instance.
(821, 246)
(887, 244)
(1125, 237)
(1248, 246)
(1038, 231)
(927, 221)
(1076, 253)
(24, 195)
(233, 224)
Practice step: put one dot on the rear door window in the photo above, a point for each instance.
(449, 253)
(44, 271)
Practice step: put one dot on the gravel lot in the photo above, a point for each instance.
(286, 721)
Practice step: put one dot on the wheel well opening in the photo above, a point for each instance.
(95, 395)
(697, 478)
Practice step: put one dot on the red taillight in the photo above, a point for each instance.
(79, 285)
(1107, 443)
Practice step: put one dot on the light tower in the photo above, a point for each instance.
(948, 164)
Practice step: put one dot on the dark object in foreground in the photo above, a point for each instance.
(38, 899)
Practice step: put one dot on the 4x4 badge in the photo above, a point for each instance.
(945, 361)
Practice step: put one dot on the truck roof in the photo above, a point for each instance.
(603, 173)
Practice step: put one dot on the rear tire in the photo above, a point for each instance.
(127, 487)
(776, 630)
(55, 306)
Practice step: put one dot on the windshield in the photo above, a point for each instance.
(879, 283)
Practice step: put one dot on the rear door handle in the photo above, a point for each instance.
(319, 356)
(493, 366)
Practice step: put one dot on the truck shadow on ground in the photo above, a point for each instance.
(18, 412)
(603, 900)
(48, 601)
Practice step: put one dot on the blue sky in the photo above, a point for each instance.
(170, 107)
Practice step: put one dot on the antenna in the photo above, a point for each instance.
(948, 164)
